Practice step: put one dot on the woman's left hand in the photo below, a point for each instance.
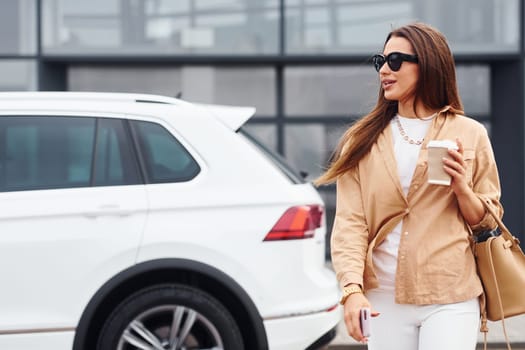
(457, 169)
(469, 203)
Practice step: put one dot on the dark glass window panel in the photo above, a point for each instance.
(161, 27)
(253, 86)
(18, 31)
(165, 158)
(18, 75)
(114, 163)
(360, 27)
(45, 152)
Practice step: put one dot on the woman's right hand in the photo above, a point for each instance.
(352, 307)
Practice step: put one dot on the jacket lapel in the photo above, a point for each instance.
(385, 144)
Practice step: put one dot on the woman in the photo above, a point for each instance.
(400, 245)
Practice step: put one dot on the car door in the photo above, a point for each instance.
(72, 211)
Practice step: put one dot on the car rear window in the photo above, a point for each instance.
(279, 161)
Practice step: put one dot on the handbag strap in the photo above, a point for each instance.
(500, 303)
(507, 235)
(504, 230)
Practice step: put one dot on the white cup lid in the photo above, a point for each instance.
(443, 144)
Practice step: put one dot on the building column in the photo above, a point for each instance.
(507, 120)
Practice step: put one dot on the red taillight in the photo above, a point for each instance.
(297, 223)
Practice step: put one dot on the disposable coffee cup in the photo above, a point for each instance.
(437, 150)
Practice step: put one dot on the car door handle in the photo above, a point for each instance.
(108, 210)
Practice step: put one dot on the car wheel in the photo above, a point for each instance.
(173, 317)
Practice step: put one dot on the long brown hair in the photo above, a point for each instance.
(435, 89)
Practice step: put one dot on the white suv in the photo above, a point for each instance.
(145, 222)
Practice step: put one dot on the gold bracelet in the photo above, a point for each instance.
(347, 291)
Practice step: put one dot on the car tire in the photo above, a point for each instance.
(146, 319)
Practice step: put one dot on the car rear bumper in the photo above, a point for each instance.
(300, 332)
(324, 340)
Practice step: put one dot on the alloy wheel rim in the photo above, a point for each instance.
(170, 327)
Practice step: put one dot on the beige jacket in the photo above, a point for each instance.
(435, 264)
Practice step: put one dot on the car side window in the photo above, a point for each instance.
(165, 159)
(49, 152)
(45, 152)
(115, 163)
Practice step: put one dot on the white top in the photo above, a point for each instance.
(385, 255)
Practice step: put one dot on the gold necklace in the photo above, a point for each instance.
(404, 134)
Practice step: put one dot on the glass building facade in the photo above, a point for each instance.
(304, 64)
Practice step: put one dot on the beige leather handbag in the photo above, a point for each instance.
(501, 267)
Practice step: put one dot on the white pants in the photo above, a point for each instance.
(427, 327)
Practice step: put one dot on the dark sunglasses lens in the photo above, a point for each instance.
(394, 61)
(378, 60)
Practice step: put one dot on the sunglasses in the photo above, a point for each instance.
(394, 60)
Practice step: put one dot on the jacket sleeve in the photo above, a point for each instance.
(349, 240)
(486, 183)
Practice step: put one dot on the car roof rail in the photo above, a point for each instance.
(86, 96)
